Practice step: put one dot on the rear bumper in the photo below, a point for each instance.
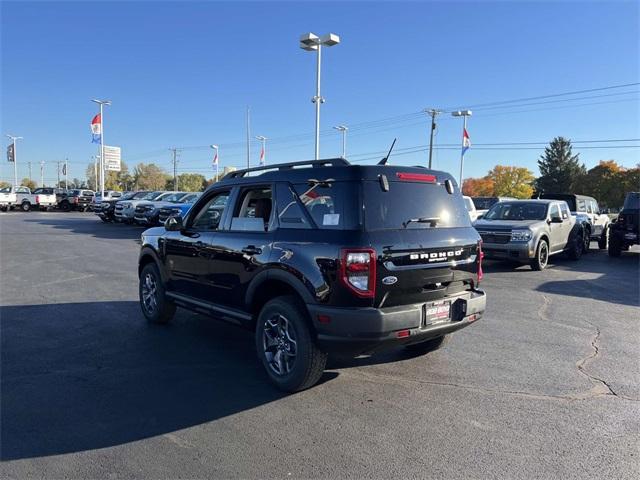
(366, 330)
(517, 251)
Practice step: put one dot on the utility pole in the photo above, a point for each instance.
(42, 173)
(465, 137)
(175, 168)
(15, 159)
(102, 103)
(433, 113)
(248, 137)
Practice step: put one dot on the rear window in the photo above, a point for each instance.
(332, 205)
(632, 201)
(412, 205)
(484, 203)
(518, 211)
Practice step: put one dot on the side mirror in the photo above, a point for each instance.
(556, 220)
(173, 223)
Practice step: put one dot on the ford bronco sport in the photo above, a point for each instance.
(320, 256)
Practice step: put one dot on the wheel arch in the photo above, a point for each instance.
(149, 255)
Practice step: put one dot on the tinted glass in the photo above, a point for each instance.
(290, 211)
(174, 197)
(484, 203)
(554, 211)
(116, 194)
(582, 206)
(409, 205)
(189, 198)
(209, 216)
(565, 211)
(517, 211)
(332, 205)
(632, 201)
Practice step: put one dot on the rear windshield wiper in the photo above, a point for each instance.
(432, 220)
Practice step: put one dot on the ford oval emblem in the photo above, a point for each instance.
(389, 280)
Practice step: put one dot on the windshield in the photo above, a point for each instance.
(632, 201)
(189, 198)
(174, 197)
(484, 203)
(517, 211)
(412, 205)
(5, 190)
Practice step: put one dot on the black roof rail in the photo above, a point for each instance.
(332, 162)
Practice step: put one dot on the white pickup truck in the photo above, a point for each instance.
(25, 199)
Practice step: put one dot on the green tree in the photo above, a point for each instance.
(29, 183)
(4, 184)
(121, 180)
(191, 182)
(513, 182)
(560, 170)
(149, 177)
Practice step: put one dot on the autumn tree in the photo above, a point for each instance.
(29, 183)
(513, 182)
(4, 184)
(149, 177)
(608, 182)
(560, 169)
(478, 187)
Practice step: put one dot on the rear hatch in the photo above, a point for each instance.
(426, 246)
(629, 217)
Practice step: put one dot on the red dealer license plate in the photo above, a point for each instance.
(437, 312)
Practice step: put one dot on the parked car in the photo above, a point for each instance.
(108, 196)
(43, 198)
(625, 231)
(125, 210)
(471, 208)
(178, 209)
(148, 213)
(106, 209)
(355, 258)
(7, 198)
(598, 227)
(76, 200)
(483, 204)
(530, 231)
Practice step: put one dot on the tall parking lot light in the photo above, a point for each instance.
(102, 164)
(15, 158)
(310, 42)
(465, 137)
(343, 129)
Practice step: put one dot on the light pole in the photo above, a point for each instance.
(343, 129)
(263, 150)
(465, 137)
(102, 103)
(310, 42)
(432, 112)
(42, 173)
(216, 160)
(15, 159)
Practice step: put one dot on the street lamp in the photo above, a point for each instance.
(310, 42)
(102, 103)
(465, 137)
(216, 160)
(343, 129)
(263, 152)
(15, 159)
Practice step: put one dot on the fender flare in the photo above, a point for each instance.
(280, 275)
(148, 251)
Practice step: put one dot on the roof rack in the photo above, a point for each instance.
(332, 162)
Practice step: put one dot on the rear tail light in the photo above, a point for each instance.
(358, 271)
(37, 198)
(480, 257)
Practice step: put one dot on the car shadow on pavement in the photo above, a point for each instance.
(600, 277)
(82, 376)
(92, 226)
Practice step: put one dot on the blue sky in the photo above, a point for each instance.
(182, 73)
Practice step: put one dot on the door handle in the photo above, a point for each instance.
(251, 250)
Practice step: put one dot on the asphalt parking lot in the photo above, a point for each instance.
(547, 385)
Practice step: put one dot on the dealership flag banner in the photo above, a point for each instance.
(96, 129)
(215, 158)
(262, 156)
(11, 155)
(466, 141)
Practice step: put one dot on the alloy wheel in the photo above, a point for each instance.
(544, 254)
(149, 293)
(279, 344)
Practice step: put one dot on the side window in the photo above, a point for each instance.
(554, 212)
(595, 207)
(582, 206)
(290, 214)
(209, 216)
(589, 208)
(252, 212)
(565, 211)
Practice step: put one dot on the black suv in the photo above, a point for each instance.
(625, 231)
(320, 256)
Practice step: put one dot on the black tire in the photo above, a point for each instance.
(577, 248)
(64, 206)
(587, 241)
(603, 241)
(615, 246)
(430, 345)
(25, 206)
(542, 256)
(287, 371)
(105, 219)
(153, 302)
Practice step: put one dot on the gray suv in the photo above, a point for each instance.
(529, 231)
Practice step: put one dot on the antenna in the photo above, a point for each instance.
(385, 159)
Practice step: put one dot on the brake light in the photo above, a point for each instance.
(480, 257)
(358, 271)
(416, 177)
(37, 198)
